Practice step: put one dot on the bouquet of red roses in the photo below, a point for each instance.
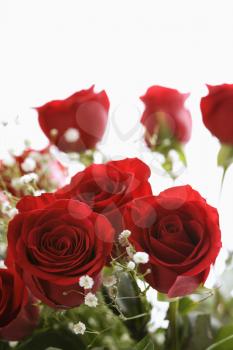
(89, 261)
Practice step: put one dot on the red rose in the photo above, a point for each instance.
(181, 234)
(53, 243)
(165, 115)
(18, 315)
(76, 123)
(217, 112)
(106, 188)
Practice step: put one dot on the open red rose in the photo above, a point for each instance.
(217, 112)
(76, 123)
(181, 234)
(18, 315)
(53, 243)
(165, 115)
(106, 188)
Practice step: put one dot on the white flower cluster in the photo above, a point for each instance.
(19, 182)
(8, 210)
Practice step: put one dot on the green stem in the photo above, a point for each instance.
(174, 305)
(223, 178)
(222, 182)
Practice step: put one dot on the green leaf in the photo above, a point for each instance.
(60, 340)
(201, 333)
(145, 344)
(186, 305)
(130, 305)
(224, 332)
(52, 348)
(4, 346)
(224, 344)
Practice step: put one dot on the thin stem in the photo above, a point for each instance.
(174, 324)
(222, 180)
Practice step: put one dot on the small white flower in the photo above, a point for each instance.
(131, 265)
(109, 281)
(71, 135)
(141, 258)
(123, 238)
(26, 179)
(28, 165)
(125, 234)
(13, 344)
(86, 282)
(8, 161)
(79, 328)
(91, 300)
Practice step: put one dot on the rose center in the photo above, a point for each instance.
(169, 225)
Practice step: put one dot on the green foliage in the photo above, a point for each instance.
(4, 346)
(145, 344)
(224, 344)
(201, 333)
(60, 339)
(130, 306)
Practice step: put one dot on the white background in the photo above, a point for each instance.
(51, 48)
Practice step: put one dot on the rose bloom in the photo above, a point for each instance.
(217, 112)
(76, 123)
(180, 233)
(106, 188)
(53, 243)
(18, 315)
(165, 115)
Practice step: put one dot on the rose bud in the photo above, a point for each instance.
(108, 187)
(18, 313)
(217, 112)
(168, 127)
(180, 233)
(55, 245)
(77, 123)
(165, 116)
